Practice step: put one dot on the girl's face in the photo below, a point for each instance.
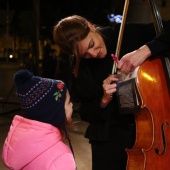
(92, 46)
(68, 107)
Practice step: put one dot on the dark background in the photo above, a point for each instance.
(22, 13)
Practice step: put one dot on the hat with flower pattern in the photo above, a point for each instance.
(41, 99)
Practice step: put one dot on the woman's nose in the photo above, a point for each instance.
(93, 53)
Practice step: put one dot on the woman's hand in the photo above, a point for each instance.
(109, 87)
(134, 59)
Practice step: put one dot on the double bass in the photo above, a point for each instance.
(151, 150)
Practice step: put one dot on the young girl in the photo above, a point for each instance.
(34, 141)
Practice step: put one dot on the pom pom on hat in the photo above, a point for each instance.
(22, 77)
(41, 99)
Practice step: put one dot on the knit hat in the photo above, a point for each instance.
(41, 99)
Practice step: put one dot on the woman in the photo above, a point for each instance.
(109, 132)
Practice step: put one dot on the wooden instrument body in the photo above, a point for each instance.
(152, 146)
(151, 150)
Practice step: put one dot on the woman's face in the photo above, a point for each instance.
(68, 107)
(92, 46)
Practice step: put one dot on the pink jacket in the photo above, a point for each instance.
(32, 145)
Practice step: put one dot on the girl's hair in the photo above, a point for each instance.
(68, 32)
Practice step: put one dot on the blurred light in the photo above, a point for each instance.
(10, 56)
(114, 18)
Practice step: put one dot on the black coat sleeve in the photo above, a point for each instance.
(161, 43)
(90, 93)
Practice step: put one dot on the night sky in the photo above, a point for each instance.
(52, 11)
